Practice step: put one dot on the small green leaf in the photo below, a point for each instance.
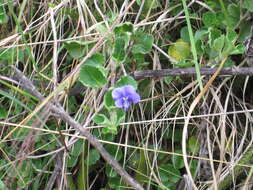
(213, 34)
(108, 100)
(193, 167)
(229, 63)
(119, 50)
(3, 113)
(245, 28)
(110, 129)
(114, 151)
(123, 28)
(142, 43)
(91, 76)
(127, 80)
(180, 50)
(114, 182)
(120, 116)
(94, 156)
(200, 34)
(75, 48)
(101, 119)
(178, 161)
(209, 19)
(193, 144)
(184, 34)
(218, 43)
(184, 64)
(175, 135)
(169, 173)
(231, 35)
(77, 148)
(109, 171)
(101, 28)
(96, 60)
(72, 161)
(239, 49)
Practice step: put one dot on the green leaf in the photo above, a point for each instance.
(231, 35)
(142, 43)
(248, 4)
(3, 113)
(244, 31)
(234, 14)
(175, 135)
(178, 161)
(110, 126)
(91, 76)
(193, 144)
(193, 167)
(77, 148)
(96, 60)
(169, 173)
(109, 171)
(239, 49)
(108, 100)
(123, 28)
(184, 64)
(209, 19)
(127, 80)
(184, 34)
(75, 48)
(119, 50)
(218, 43)
(114, 151)
(94, 156)
(199, 34)
(114, 182)
(213, 34)
(180, 50)
(142, 168)
(121, 114)
(72, 161)
(101, 28)
(229, 63)
(8, 54)
(101, 119)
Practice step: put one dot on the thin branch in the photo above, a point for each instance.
(58, 109)
(232, 71)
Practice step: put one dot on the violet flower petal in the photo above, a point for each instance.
(125, 96)
(119, 103)
(135, 98)
(117, 93)
(126, 104)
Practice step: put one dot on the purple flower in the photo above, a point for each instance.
(124, 96)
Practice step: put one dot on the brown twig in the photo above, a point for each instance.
(233, 71)
(58, 109)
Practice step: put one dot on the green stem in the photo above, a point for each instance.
(193, 47)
